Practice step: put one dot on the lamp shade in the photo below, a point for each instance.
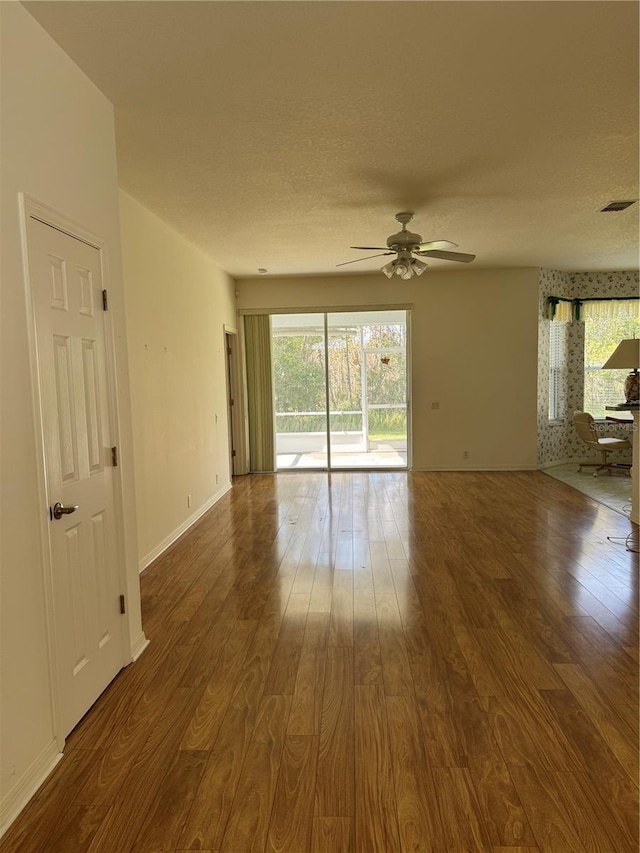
(625, 355)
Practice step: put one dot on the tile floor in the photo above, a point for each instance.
(612, 490)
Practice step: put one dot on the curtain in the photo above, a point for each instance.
(564, 312)
(257, 338)
(559, 309)
(610, 309)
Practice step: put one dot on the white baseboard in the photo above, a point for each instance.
(171, 538)
(138, 646)
(20, 794)
(544, 465)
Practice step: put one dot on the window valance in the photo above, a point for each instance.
(561, 309)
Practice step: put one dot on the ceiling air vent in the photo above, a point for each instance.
(615, 206)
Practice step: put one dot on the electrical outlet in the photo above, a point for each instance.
(465, 454)
(188, 501)
(435, 404)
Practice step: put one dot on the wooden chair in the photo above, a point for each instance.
(587, 431)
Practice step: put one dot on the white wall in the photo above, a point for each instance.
(474, 348)
(177, 304)
(58, 146)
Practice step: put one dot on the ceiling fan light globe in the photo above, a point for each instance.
(403, 269)
(388, 269)
(418, 266)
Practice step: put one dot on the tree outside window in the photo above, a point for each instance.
(602, 335)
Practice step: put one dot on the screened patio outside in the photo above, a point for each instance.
(340, 389)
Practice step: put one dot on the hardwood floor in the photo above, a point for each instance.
(379, 663)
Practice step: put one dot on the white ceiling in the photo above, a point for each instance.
(278, 134)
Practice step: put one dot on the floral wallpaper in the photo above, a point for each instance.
(585, 284)
(558, 441)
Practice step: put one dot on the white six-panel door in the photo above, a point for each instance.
(66, 286)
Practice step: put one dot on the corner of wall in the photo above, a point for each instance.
(18, 797)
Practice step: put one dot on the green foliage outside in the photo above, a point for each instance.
(604, 387)
(387, 424)
(299, 380)
(298, 372)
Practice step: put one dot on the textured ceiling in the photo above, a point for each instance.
(278, 134)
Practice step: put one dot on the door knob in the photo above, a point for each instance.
(59, 510)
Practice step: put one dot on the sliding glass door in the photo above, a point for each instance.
(340, 389)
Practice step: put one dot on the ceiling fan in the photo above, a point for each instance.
(405, 245)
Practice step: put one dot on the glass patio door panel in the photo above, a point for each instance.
(347, 433)
(299, 387)
(386, 401)
(367, 378)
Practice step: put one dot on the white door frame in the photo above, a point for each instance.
(30, 208)
(235, 389)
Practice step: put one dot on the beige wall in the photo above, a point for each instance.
(58, 147)
(474, 350)
(177, 304)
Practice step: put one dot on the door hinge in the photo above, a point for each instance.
(105, 301)
(231, 403)
(122, 607)
(233, 453)
(228, 350)
(114, 457)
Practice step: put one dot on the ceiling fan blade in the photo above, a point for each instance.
(436, 244)
(344, 263)
(448, 256)
(369, 248)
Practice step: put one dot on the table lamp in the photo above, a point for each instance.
(627, 355)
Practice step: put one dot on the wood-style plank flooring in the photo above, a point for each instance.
(380, 663)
